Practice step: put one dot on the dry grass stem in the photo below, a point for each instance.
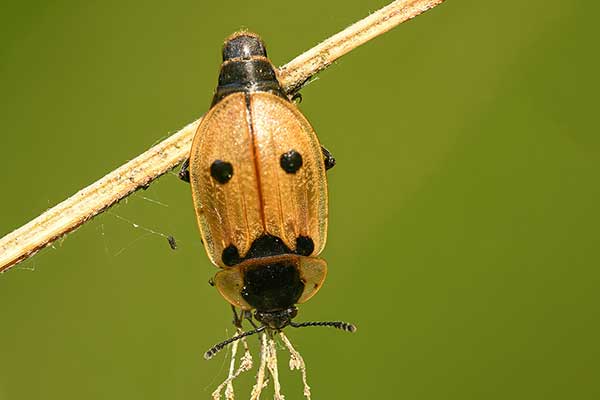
(139, 172)
(245, 365)
(260, 377)
(296, 362)
(268, 362)
(272, 366)
(298, 71)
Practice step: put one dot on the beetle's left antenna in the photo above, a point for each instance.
(218, 347)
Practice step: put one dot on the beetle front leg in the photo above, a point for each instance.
(328, 158)
(184, 173)
(243, 315)
(237, 320)
(247, 314)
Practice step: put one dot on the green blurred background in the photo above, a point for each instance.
(463, 236)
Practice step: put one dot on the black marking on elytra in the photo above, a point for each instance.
(291, 161)
(221, 171)
(230, 256)
(267, 246)
(263, 246)
(273, 286)
(304, 246)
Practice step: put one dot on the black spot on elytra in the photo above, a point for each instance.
(267, 246)
(221, 171)
(304, 245)
(230, 255)
(291, 161)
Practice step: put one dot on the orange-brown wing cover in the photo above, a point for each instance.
(260, 197)
(230, 213)
(293, 204)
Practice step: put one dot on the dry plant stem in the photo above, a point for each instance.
(92, 200)
(139, 172)
(272, 366)
(260, 377)
(229, 392)
(245, 365)
(298, 71)
(296, 362)
(216, 394)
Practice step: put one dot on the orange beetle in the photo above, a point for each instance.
(257, 173)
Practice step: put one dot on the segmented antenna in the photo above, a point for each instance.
(345, 326)
(218, 347)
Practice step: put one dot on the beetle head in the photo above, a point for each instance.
(244, 45)
(276, 320)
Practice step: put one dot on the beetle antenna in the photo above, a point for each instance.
(218, 347)
(345, 326)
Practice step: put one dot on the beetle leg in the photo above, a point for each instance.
(296, 98)
(243, 315)
(184, 173)
(328, 158)
(248, 315)
(237, 320)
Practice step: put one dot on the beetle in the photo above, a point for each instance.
(258, 177)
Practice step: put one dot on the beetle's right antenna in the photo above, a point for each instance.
(345, 326)
(218, 347)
